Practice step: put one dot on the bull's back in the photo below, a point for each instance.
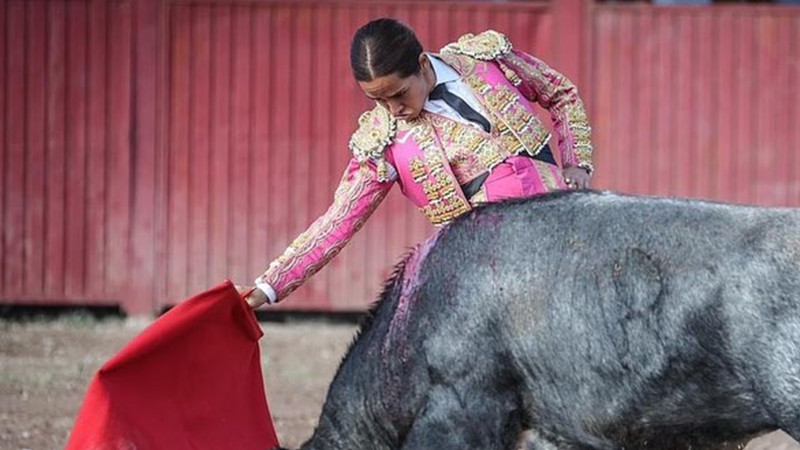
(615, 310)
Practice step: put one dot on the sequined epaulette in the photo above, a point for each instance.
(376, 130)
(485, 46)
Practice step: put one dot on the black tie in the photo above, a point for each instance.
(440, 92)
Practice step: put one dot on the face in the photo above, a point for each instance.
(403, 97)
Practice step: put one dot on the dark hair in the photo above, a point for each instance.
(384, 47)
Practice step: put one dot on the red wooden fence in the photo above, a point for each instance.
(65, 170)
(699, 102)
(151, 148)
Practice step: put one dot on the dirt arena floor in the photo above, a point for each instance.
(46, 365)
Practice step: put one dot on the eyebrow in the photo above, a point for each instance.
(388, 96)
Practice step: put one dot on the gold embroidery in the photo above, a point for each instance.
(548, 179)
(417, 168)
(445, 210)
(318, 234)
(469, 150)
(485, 46)
(440, 188)
(376, 130)
(575, 123)
(510, 74)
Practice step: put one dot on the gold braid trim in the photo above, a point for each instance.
(376, 130)
(315, 236)
(551, 86)
(484, 46)
(487, 46)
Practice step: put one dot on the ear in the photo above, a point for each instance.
(424, 62)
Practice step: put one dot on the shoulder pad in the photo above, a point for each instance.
(485, 46)
(376, 130)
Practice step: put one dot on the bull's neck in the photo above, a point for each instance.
(371, 400)
(359, 411)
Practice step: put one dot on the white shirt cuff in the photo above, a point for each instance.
(268, 290)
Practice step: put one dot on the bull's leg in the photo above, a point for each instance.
(454, 419)
(779, 384)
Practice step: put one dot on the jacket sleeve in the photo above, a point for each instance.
(554, 92)
(358, 194)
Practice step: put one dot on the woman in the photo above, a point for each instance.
(454, 130)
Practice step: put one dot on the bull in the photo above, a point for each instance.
(596, 320)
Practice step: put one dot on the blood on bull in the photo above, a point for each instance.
(595, 320)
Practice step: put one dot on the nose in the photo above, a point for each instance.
(395, 108)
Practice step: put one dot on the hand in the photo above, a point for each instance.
(255, 299)
(576, 177)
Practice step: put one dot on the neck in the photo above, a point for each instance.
(430, 75)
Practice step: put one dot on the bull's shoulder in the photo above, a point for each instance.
(484, 46)
(376, 131)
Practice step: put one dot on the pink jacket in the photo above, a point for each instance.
(419, 154)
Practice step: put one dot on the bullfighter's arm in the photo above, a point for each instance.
(551, 89)
(358, 194)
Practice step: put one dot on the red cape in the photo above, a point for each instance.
(192, 380)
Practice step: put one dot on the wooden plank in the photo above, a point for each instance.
(36, 43)
(788, 75)
(723, 87)
(55, 254)
(240, 165)
(199, 139)
(784, 121)
(14, 190)
(119, 146)
(623, 102)
(4, 147)
(703, 172)
(665, 96)
(440, 21)
(744, 92)
(683, 71)
(220, 131)
(642, 133)
(146, 232)
(794, 112)
(571, 36)
(96, 193)
(179, 159)
(262, 109)
(161, 156)
(604, 113)
(766, 151)
(75, 235)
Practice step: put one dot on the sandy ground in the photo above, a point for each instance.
(46, 365)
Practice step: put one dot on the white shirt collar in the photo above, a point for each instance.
(444, 73)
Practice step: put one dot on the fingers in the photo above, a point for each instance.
(576, 180)
(572, 183)
(256, 298)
